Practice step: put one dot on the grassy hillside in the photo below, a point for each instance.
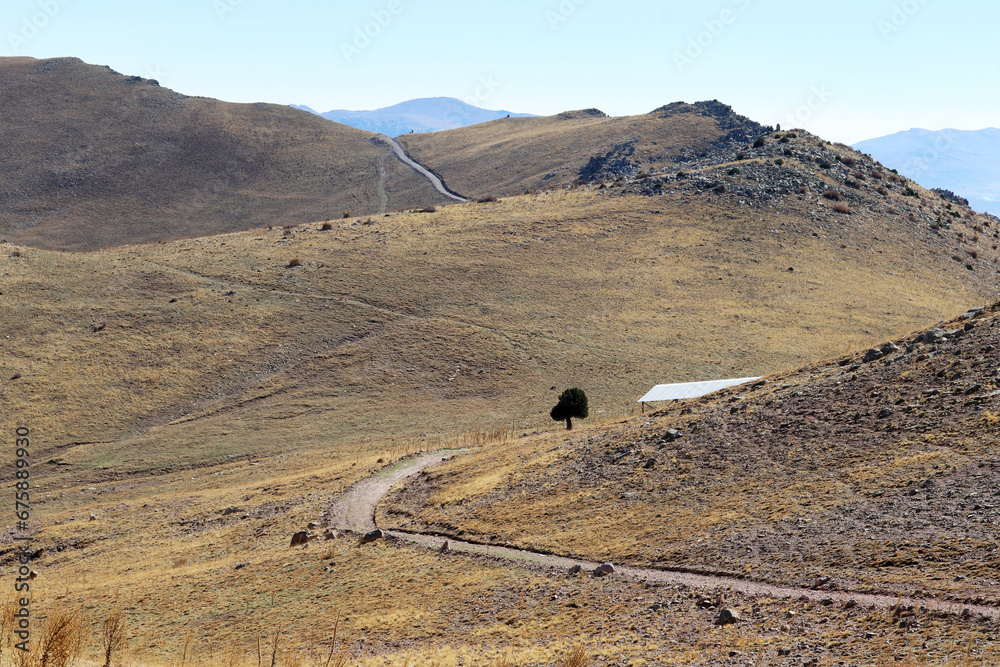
(429, 323)
(878, 473)
(513, 155)
(92, 158)
(202, 399)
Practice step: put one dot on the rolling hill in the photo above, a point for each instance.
(422, 115)
(92, 158)
(962, 161)
(516, 155)
(194, 402)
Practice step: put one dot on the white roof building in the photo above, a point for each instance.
(676, 392)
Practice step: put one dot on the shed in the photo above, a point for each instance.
(683, 390)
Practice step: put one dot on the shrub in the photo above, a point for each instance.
(326, 227)
(486, 200)
(848, 160)
(760, 142)
(842, 208)
(803, 190)
(681, 174)
(733, 172)
(741, 156)
(825, 165)
(910, 192)
(720, 188)
(852, 184)
(347, 214)
(893, 178)
(877, 175)
(832, 195)
(295, 262)
(883, 192)
(785, 140)
(428, 209)
(858, 176)
(779, 162)
(789, 152)
(644, 174)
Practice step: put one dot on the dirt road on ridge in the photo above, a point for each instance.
(419, 168)
(355, 510)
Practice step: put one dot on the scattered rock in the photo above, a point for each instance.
(650, 464)
(93, 517)
(873, 355)
(821, 581)
(604, 569)
(576, 569)
(330, 534)
(889, 348)
(231, 510)
(671, 435)
(32, 574)
(372, 536)
(240, 566)
(445, 548)
(728, 616)
(302, 537)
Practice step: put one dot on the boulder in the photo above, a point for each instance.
(302, 537)
(651, 463)
(330, 534)
(873, 355)
(671, 435)
(576, 569)
(604, 569)
(728, 616)
(889, 348)
(445, 548)
(372, 536)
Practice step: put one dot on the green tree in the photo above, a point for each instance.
(572, 403)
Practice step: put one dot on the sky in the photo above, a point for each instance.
(847, 70)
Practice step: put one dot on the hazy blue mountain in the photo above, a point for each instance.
(966, 162)
(424, 115)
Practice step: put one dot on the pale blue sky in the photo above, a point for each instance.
(848, 70)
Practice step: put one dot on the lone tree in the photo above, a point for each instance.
(572, 403)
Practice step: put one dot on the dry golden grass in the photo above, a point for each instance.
(496, 304)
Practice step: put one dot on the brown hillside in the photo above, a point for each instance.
(513, 155)
(91, 158)
(878, 470)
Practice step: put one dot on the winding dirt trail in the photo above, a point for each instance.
(355, 510)
(419, 168)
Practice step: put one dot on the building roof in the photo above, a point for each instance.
(675, 392)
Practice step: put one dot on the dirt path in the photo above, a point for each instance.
(420, 169)
(355, 510)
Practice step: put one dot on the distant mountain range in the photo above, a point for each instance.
(966, 162)
(428, 114)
